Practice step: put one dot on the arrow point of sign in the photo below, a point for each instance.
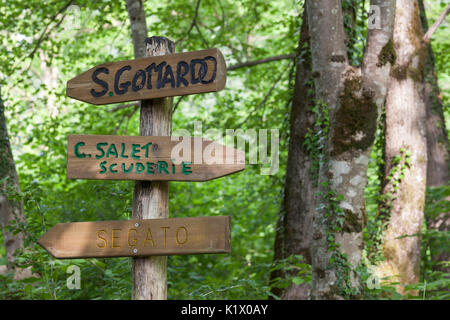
(222, 70)
(52, 240)
(47, 245)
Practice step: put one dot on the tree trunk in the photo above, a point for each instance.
(437, 149)
(294, 229)
(329, 60)
(437, 139)
(405, 149)
(138, 25)
(150, 199)
(11, 210)
(349, 100)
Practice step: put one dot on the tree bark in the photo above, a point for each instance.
(329, 59)
(350, 100)
(437, 149)
(11, 210)
(260, 61)
(405, 149)
(138, 25)
(294, 228)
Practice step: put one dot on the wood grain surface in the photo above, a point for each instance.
(167, 75)
(103, 157)
(138, 238)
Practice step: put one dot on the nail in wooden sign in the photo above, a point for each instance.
(136, 238)
(153, 77)
(157, 158)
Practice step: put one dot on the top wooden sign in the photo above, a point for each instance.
(153, 77)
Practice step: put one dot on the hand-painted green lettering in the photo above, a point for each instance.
(102, 166)
(135, 148)
(99, 148)
(112, 151)
(139, 167)
(185, 169)
(122, 155)
(127, 170)
(111, 168)
(146, 148)
(150, 168)
(77, 152)
(162, 166)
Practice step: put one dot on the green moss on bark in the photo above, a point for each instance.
(387, 54)
(408, 69)
(399, 72)
(355, 119)
(352, 222)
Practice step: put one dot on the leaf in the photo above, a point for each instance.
(297, 280)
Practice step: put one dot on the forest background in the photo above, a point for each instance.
(43, 44)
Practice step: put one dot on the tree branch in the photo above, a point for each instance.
(194, 20)
(136, 15)
(266, 97)
(436, 24)
(427, 37)
(123, 106)
(261, 61)
(44, 33)
(177, 103)
(193, 24)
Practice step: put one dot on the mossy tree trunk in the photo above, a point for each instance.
(437, 149)
(405, 150)
(11, 209)
(294, 229)
(349, 100)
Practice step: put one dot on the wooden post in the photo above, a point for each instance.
(151, 199)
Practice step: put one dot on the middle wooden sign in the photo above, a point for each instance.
(153, 77)
(105, 157)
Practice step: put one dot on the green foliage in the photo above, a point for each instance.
(40, 117)
(440, 43)
(315, 139)
(434, 279)
(42, 48)
(381, 206)
(355, 18)
(296, 272)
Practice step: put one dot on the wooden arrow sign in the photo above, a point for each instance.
(103, 157)
(153, 77)
(137, 238)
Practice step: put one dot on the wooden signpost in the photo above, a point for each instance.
(150, 158)
(153, 77)
(138, 238)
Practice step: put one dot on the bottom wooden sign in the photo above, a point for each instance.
(135, 238)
